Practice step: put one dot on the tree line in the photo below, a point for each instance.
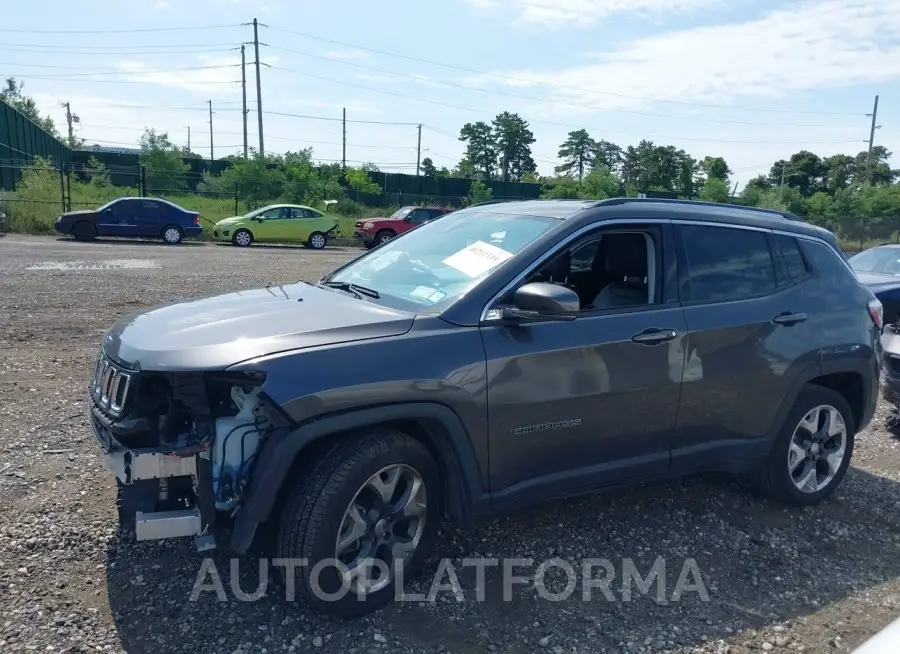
(856, 195)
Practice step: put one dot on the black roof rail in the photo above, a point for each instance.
(724, 205)
(481, 204)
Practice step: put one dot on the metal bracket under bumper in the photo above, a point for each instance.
(167, 524)
(130, 467)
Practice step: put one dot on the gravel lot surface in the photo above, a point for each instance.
(820, 580)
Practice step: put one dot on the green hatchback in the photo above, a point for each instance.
(278, 223)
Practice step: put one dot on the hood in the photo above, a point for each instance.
(83, 212)
(380, 219)
(216, 332)
(879, 281)
(229, 221)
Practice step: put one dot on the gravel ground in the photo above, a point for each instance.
(820, 580)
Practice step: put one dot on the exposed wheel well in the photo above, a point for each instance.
(429, 432)
(850, 386)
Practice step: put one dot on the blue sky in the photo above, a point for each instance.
(750, 80)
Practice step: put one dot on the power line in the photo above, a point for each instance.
(549, 101)
(328, 118)
(103, 53)
(155, 46)
(125, 31)
(559, 86)
(548, 122)
(277, 138)
(119, 71)
(101, 81)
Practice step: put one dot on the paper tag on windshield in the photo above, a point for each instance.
(476, 259)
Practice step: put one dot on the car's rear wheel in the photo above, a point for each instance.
(84, 231)
(317, 241)
(172, 235)
(364, 510)
(383, 236)
(813, 450)
(242, 238)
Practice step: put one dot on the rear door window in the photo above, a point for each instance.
(725, 263)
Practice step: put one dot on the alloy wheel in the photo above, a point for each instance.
(317, 241)
(817, 449)
(242, 238)
(384, 238)
(172, 235)
(381, 528)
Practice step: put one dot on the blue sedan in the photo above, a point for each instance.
(137, 217)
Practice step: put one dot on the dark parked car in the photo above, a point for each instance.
(139, 217)
(503, 355)
(879, 269)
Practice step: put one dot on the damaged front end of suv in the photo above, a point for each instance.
(181, 444)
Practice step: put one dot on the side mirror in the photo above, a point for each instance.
(539, 301)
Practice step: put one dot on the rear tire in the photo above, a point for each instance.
(84, 231)
(172, 235)
(317, 241)
(242, 238)
(340, 498)
(804, 467)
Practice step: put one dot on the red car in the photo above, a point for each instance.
(375, 231)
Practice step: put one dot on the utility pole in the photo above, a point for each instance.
(70, 120)
(189, 138)
(344, 140)
(211, 156)
(259, 105)
(244, 96)
(871, 139)
(419, 152)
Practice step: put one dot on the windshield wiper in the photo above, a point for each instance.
(356, 289)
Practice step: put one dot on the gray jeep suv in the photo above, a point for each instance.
(504, 355)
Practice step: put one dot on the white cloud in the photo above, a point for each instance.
(812, 46)
(162, 4)
(553, 13)
(213, 76)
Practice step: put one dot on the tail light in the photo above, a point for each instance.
(197, 219)
(876, 312)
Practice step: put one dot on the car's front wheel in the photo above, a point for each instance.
(369, 507)
(242, 238)
(383, 236)
(813, 449)
(172, 235)
(84, 231)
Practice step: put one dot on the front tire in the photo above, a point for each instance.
(383, 236)
(813, 449)
(317, 241)
(242, 238)
(84, 231)
(172, 235)
(370, 498)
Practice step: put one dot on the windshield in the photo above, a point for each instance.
(108, 204)
(403, 212)
(433, 265)
(877, 260)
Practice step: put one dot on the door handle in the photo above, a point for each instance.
(654, 336)
(788, 318)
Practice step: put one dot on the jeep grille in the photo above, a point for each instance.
(109, 386)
